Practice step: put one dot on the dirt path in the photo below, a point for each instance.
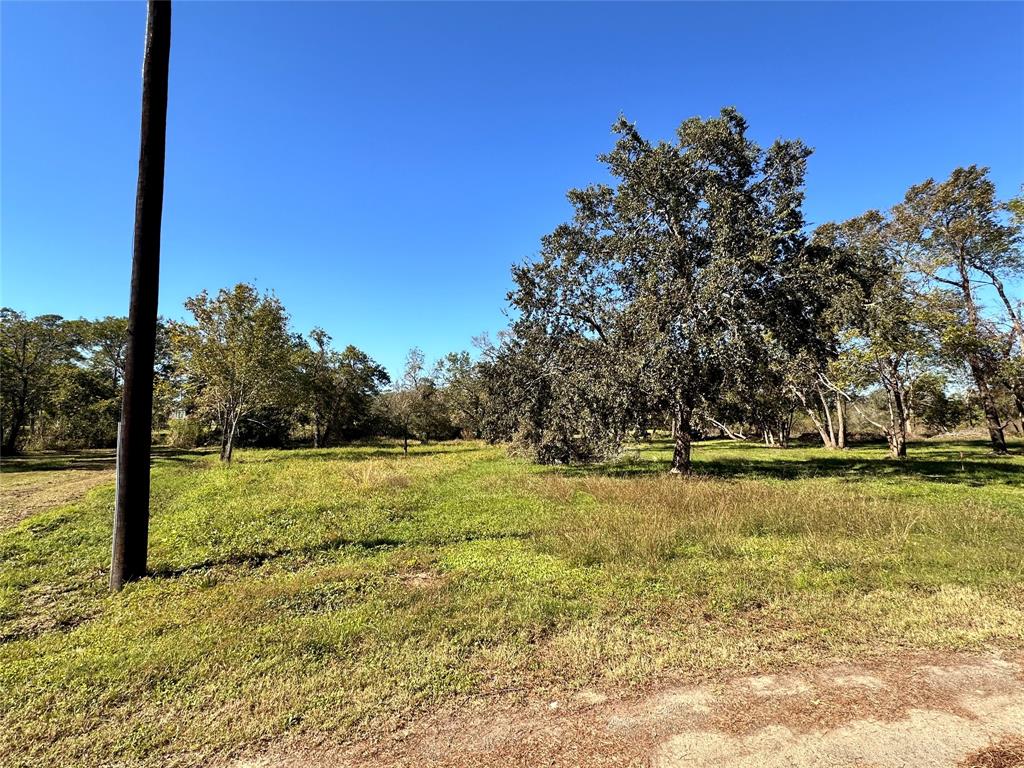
(23, 494)
(914, 712)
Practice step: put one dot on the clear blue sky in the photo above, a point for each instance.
(382, 166)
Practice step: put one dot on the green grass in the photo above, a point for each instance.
(340, 591)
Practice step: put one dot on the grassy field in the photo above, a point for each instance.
(341, 591)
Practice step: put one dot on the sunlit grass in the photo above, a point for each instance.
(337, 591)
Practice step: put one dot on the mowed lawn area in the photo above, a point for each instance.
(343, 591)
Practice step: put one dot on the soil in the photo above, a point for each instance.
(23, 494)
(906, 711)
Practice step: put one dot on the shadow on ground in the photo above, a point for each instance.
(361, 451)
(371, 543)
(87, 459)
(935, 462)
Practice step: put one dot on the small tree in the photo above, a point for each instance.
(238, 357)
(402, 401)
(416, 406)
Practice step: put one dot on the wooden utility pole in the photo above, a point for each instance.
(131, 510)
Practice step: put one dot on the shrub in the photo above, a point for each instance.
(185, 433)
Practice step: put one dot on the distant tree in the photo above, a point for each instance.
(757, 395)
(957, 239)
(71, 373)
(894, 352)
(238, 357)
(934, 407)
(416, 406)
(87, 403)
(31, 352)
(821, 385)
(401, 402)
(340, 389)
(318, 382)
(104, 343)
(887, 336)
(464, 392)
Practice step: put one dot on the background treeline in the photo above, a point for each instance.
(689, 296)
(236, 374)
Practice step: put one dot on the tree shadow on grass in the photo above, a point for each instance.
(105, 458)
(361, 452)
(942, 463)
(368, 544)
(88, 459)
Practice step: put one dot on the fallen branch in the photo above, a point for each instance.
(732, 435)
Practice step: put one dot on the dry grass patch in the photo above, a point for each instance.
(1005, 753)
(24, 494)
(651, 520)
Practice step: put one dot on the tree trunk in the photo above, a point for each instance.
(978, 367)
(841, 422)
(11, 438)
(681, 441)
(223, 436)
(783, 433)
(988, 405)
(831, 442)
(229, 444)
(725, 431)
(897, 445)
(131, 510)
(826, 438)
(897, 435)
(1018, 398)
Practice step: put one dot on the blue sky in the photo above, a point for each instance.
(381, 166)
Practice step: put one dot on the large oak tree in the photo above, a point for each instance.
(664, 282)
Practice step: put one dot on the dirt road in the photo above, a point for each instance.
(915, 711)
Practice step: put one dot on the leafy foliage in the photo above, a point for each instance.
(237, 358)
(340, 389)
(664, 291)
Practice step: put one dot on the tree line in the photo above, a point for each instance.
(688, 295)
(236, 372)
